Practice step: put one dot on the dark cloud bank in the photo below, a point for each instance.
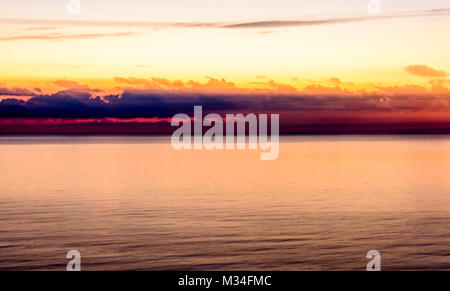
(298, 113)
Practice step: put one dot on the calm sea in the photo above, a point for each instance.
(134, 203)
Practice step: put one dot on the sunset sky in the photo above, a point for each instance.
(396, 61)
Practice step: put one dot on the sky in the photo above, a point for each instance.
(246, 48)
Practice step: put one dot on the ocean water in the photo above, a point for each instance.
(134, 203)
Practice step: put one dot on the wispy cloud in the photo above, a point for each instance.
(251, 25)
(336, 20)
(61, 36)
(41, 28)
(294, 23)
